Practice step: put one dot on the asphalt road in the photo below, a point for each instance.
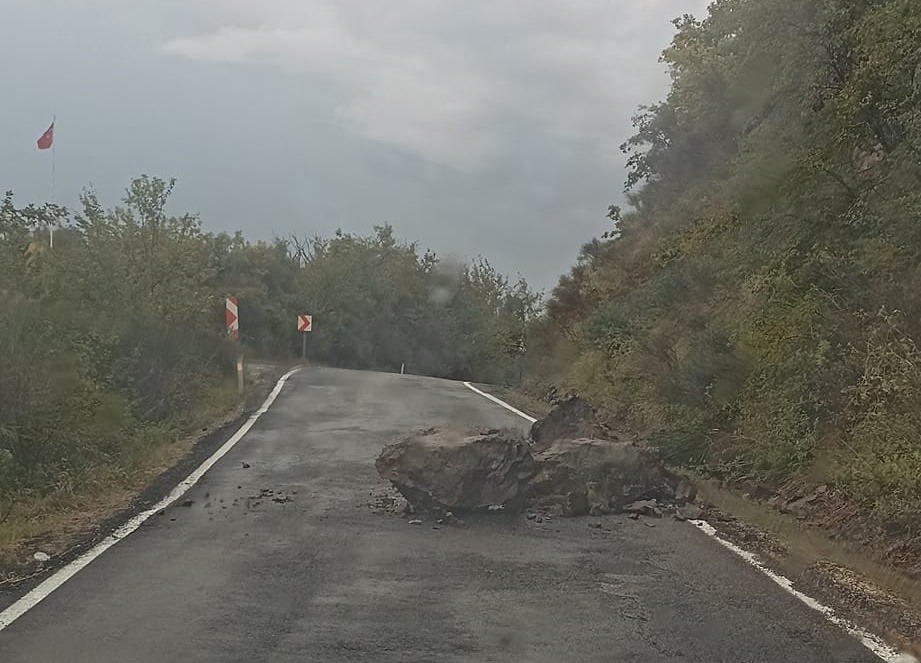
(322, 578)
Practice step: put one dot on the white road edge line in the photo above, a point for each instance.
(500, 402)
(46, 587)
(868, 640)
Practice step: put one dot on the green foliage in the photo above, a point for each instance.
(112, 341)
(381, 304)
(775, 201)
(883, 461)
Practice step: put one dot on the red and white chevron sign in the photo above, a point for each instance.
(305, 323)
(232, 318)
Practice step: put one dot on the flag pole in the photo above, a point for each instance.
(50, 223)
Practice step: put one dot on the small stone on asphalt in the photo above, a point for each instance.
(245, 465)
(415, 522)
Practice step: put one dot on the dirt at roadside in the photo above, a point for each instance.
(28, 572)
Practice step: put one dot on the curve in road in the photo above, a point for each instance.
(280, 559)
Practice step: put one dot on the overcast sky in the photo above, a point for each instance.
(478, 127)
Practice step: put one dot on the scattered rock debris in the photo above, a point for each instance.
(388, 501)
(644, 508)
(246, 465)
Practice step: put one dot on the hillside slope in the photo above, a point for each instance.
(757, 310)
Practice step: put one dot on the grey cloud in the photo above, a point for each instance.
(480, 127)
(442, 78)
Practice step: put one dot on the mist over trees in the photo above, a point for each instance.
(757, 309)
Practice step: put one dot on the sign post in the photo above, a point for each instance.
(232, 320)
(304, 325)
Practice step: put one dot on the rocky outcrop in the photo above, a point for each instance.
(453, 471)
(571, 419)
(588, 476)
(564, 468)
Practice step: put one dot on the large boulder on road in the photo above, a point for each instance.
(570, 465)
(594, 476)
(453, 471)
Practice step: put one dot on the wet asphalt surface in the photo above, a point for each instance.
(284, 561)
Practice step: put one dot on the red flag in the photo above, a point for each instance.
(47, 138)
